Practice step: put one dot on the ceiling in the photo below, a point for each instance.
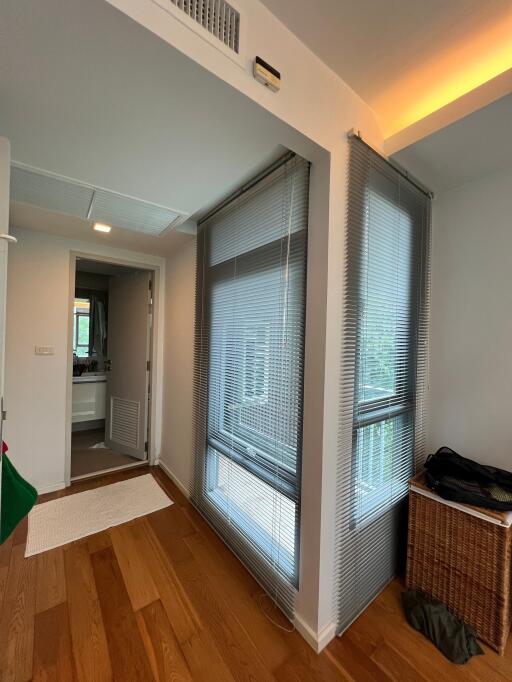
(89, 94)
(405, 58)
(470, 148)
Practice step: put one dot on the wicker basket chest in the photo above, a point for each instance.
(461, 555)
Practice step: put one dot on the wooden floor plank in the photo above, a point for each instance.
(196, 642)
(179, 608)
(169, 487)
(130, 546)
(240, 590)
(51, 580)
(88, 636)
(19, 536)
(162, 648)
(172, 526)
(243, 658)
(17, 618)
(53, 656)
(5, 552)
(295, 669)
(491, 666)
(396, 666)
(204, 659)
(127, 653)
(99, 541)
(356, 663)
(5, 557)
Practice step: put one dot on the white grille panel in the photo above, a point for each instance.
(124, 422)
(47, 191)
(63, 195)
(131, 214)
(216, 16)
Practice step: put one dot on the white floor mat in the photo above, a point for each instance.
(63, 520)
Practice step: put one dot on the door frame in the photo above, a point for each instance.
(154, 410)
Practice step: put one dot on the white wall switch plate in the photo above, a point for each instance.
(44, 350)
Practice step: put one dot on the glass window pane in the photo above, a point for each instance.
(385, 301)
(255, 375)
(383, 463)
(250, 505)
(83, 330)
(383, 453)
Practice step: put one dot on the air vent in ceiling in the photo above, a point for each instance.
(132, 214)
(49, 192)
(218, 17)
(63, 195)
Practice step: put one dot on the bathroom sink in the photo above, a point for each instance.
(88, 377)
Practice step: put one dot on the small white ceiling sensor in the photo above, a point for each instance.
(101, 227)
(266, 74)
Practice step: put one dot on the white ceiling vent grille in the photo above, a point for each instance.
(124, 422)
(49, 192)
(218, 17)
(63, 195)
(132, 214)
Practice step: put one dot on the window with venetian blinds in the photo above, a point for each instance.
(250, 315)
(384, 373)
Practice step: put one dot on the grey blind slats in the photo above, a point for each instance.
(250, 314)
(384, 373)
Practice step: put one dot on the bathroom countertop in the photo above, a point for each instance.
(87, 378)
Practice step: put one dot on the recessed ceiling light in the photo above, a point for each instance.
(101, 227)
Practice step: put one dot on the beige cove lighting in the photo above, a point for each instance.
(101, 227)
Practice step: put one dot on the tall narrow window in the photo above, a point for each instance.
(384, 372)
(81, 327)
(249, 373)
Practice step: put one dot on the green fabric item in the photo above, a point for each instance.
(18, 498)
(452, 636)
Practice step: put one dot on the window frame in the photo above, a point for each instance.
(400, 403)
(278, 213)
(259, 463)
(77, 316)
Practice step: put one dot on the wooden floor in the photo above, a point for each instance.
(162, 598)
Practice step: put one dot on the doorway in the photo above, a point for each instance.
(111, 383)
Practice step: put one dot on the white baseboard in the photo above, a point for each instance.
(43, 489)
(183, 488)
(316, 640)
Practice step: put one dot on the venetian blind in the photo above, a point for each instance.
(384, 373)
(250, 314)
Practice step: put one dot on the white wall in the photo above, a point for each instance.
(313, 99)
(316, 103)
(5, 158)
(177, 439)
(36, 387)
(471, 324)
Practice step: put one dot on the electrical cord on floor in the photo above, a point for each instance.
(261, 598)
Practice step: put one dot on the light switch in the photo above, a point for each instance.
(44, 350)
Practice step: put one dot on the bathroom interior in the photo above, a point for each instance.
(111, 341)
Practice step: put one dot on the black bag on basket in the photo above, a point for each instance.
(460, 479)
